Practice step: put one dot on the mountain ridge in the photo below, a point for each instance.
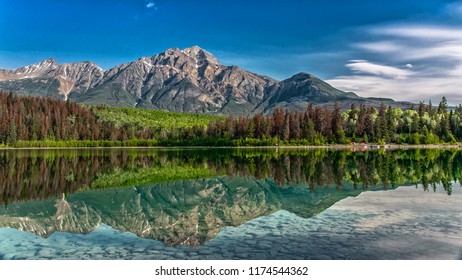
(190, 80)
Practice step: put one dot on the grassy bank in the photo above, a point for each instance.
(244, 143)
(82, 143)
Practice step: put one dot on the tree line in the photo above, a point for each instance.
(28, 118)
(33, 121)
(317, 125)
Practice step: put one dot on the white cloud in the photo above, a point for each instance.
(422, 32)
(151, 5)
(415, 90)
(382, 46)
(411, 62)
(413, 48)
(431, 43)
(366, 67)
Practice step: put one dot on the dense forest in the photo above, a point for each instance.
(36, 118)
(323, 125)
(33, 121)
(27, 121)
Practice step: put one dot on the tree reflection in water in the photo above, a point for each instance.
(39, 174)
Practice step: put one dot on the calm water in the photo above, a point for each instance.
(230, 204)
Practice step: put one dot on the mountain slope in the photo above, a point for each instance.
(52, 79)
(190, 80)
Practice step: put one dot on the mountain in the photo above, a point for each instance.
(190, 80)
(48, 78)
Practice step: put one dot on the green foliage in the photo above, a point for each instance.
(143, 118)
(319, 139)
(430, 139)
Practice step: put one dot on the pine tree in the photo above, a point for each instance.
(294, 124)
(368, 123)
(229, 127)
(327, 124)
(258, 125)
(361, 122)
(12, 133)
(277, 122)
(443, 106)
(431, 110)
(318, 116)
(285, 131)
(337, 125)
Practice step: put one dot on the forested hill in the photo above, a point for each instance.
(36, 122)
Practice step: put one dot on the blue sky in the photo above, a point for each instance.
(406, 50)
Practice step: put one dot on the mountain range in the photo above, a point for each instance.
(190, 80)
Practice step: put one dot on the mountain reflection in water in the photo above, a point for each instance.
(186, 197)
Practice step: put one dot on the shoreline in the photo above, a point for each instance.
(357, 147)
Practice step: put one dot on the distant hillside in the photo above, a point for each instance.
(159, 120)
(190, 80)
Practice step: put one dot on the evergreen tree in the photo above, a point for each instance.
(443, 106)
(431, 110)
(337, 125)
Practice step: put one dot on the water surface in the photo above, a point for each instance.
(230, 204)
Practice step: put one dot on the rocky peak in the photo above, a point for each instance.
(194, 57)
(45, 63)
(79, 68)
(50, 61)
(301, 77)
(201, 55)
(30, 71)
(38, 68)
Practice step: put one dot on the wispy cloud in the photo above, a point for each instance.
(422, 32)
(366, 67)
(411, 62)
(381, 46)
(415, 89)
(151, 5)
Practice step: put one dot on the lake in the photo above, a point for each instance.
(230, 204)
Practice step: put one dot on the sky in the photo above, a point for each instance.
(406, 50)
